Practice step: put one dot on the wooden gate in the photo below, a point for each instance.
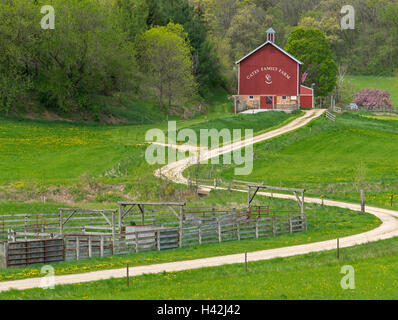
(24, 253)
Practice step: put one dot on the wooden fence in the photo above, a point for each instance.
(230, 228)
(159, 229)
(79, 247)
(219, 183)
(330, 116)
(47, 225)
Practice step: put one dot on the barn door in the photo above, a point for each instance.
(266, 102)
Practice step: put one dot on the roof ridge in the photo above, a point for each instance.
(263, 45)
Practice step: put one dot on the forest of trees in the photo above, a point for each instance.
(151, 47)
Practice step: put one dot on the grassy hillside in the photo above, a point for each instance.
(61, 152)
(310, 276)
(259, 123)
(383, 83)
(329, 159)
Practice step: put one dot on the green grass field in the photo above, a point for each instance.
(323, 224)
(334, 160)
(311, 276)
(51, 153)
(383, 83)
(259, 123)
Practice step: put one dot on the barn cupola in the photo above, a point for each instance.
(271, 35)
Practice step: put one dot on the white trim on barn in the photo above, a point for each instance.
(239, 79)
(298, 85)
(264, 44)
(307, 87)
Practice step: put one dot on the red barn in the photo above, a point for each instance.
(269, 78)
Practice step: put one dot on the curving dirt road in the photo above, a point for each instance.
(387, 229)
(174, 171)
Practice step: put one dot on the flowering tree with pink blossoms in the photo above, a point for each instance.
(373, 99)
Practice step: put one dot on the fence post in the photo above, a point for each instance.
(200, 234)
(136, 241)
(273, 226)
(6, 254)
(89, 247)
(219, 231)
(290, 224)
(158, 239)
(180, 233)
(215, 184)
(26, 226)
(362, 201)
(102, 246)
(238, 229)
(77, 248)
(257, 228)
(181, 226)
(113, 230)
(61, 223)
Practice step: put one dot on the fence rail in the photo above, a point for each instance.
(330, 116)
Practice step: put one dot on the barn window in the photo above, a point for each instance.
(293, 97)
(251, 97)
(284, 98)
(269, 100)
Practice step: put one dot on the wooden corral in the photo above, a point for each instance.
(143, 226)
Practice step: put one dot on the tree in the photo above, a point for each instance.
(13, 87)
(219, 14)
(88, 53)
(311, 47)
(133, 16)
(247, 30)
(206, 66)
(373, 98)
(17, 54)
(165, 59)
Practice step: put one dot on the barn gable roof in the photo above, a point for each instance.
(307, 87)
(263, 45)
